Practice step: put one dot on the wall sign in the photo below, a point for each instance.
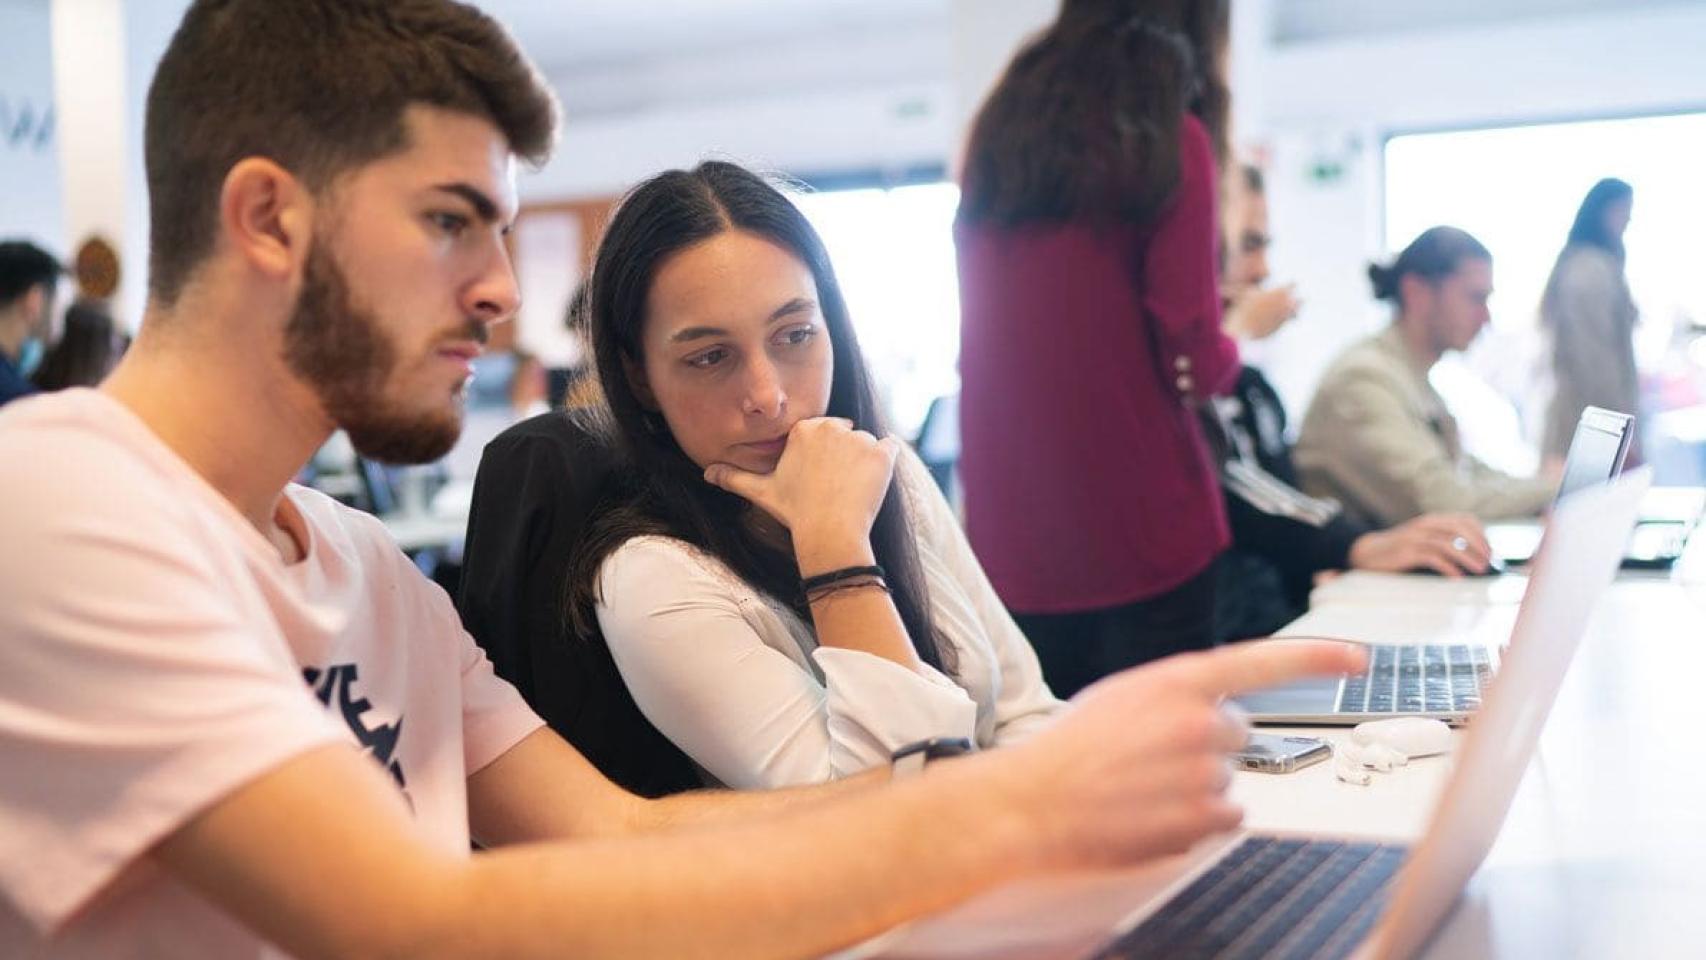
(25, 126)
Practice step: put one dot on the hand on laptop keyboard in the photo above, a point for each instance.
(1449, 544)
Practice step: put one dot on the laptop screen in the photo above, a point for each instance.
(1597, 450)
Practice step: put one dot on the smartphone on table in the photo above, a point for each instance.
(1275, 753)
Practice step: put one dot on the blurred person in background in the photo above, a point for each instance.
(88, 348)
(1588, 318)
(529, 390)
(1253, 310)
(1282, 538)
(28, 276)
(1378, 437)
(1091, 332)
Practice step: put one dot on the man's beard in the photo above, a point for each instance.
(340, 351)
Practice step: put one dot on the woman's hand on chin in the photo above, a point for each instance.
(826, 488)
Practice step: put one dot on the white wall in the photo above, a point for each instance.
(89, 97)
(29, 156)
(148, 26)
(986, 34)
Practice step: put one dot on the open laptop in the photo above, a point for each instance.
(1597, 451)
(1312, 894)
(1443, 681)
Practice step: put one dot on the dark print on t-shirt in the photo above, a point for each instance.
(380, 741)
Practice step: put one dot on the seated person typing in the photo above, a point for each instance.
(1282, 539)
(1377, 437)
(786, 593)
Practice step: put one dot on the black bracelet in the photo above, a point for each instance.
(817, 594)
(836, 576)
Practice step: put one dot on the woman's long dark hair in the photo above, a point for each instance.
(1589, 226)
(85, 353)
(1084, 125)
(658, 219)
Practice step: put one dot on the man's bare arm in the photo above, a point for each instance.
(543, 789)
(320, 855)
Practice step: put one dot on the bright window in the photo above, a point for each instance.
(1517, 190)
(893, 251)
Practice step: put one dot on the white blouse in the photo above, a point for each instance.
(739, 683)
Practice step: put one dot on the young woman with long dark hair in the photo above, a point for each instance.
(785, 592)
(1090, 313)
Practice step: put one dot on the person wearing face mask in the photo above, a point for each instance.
(27, 278)
(1377, 436)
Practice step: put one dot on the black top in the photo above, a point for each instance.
(1270, 567)
(12, 383)
(539, 484)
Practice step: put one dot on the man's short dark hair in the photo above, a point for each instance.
(319, 87)
(23, 267)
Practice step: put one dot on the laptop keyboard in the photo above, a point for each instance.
(1271, 897)
(1418, 678)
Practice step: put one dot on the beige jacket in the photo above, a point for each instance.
(1589, 317)
(1378, 437)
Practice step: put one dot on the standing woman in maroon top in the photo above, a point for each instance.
(1087, 241)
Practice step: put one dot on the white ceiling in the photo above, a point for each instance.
(570, 34)
(1303, 21)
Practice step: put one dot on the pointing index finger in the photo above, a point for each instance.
(1253, 665)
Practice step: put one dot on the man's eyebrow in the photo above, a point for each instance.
(484, 207)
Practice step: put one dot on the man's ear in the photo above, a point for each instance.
(641, 386)
(266, 217)
(37, 305)
(1416, 291)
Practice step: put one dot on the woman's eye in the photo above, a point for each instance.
(799, 335)
(709, 358)
(452, 224)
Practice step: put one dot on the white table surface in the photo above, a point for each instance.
(1603, 853)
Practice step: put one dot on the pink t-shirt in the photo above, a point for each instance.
(156, 653)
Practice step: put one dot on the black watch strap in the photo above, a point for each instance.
(909, 761)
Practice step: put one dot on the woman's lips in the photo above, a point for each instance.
(772, 447)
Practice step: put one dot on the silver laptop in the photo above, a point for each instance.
(1443, 681)
(1311, 895)
(1597, 451)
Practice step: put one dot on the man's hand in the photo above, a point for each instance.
(1137, 767)
(1258, 314)
(1450, 544)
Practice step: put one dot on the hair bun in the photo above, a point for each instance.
(1384, 279)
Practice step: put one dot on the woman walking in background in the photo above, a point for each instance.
(1589, 317)
(1090, 320)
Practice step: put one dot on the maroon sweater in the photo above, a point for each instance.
(1083, 350)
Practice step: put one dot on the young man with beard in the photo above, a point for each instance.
(197, 654)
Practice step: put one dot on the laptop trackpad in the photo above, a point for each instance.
(1305, 697)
